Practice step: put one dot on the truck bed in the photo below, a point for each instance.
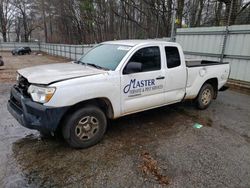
(199, 71)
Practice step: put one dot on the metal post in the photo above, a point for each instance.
(39, 47)
(75, 52)
(226, 34)
(70, 51)
(64, 47)
(60, 49)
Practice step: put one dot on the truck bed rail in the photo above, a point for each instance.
(201, 63)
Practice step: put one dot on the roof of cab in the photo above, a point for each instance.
(136, 42)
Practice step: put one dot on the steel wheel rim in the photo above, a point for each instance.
(206, 96)
(87, 127)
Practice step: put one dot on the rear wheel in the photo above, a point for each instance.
(85, 127)
(205, 96)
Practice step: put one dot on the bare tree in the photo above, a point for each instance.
(6, 17)
(26, 10)
(236, 6)
(91, 21)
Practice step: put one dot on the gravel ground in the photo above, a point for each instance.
(156, 148)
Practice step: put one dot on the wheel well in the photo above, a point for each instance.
(103, 103)
(214, 84)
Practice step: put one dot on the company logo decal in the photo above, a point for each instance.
(137, 87)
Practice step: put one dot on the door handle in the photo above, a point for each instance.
(160, 77)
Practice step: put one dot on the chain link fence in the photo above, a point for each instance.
(73, 52)
(201, 42)
(8, 46)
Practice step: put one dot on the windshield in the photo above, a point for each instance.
(107, 56)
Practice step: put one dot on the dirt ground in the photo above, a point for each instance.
(13, 63)
(156, 148)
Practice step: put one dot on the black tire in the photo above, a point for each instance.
(205, 96)
(85, 127)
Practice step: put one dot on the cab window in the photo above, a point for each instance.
(173, 57)
(144, 60)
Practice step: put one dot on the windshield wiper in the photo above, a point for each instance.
(78, 62)
(91, 64)
(96, 66)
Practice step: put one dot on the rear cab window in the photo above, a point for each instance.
(172, 57)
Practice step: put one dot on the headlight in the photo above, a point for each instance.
(41, 94)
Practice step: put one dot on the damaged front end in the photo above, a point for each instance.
(31, 114)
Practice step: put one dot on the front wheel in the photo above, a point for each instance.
(205, 96)
(85, 127)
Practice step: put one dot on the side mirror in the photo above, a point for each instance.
(132, 67)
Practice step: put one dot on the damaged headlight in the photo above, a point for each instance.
(41, 94)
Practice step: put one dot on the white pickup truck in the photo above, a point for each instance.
(114, 79)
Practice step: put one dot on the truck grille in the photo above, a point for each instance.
(17, 103)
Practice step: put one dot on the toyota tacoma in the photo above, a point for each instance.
(113, 79)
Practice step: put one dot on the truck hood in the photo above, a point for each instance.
(46, 74)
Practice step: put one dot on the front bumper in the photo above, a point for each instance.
(34, 115)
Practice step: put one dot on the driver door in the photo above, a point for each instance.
(143, 81)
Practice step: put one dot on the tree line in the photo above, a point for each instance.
(93, 21)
